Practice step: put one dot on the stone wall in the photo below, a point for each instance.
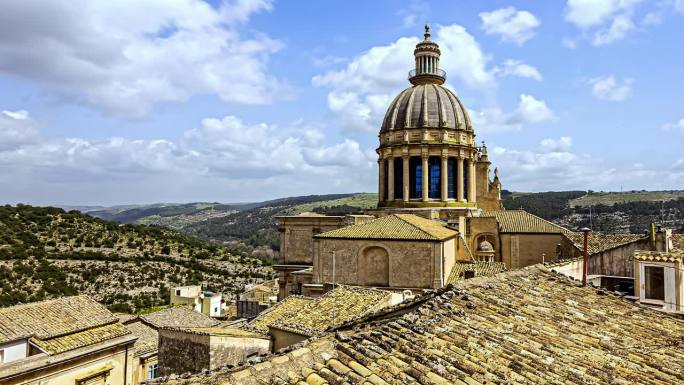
(520, 250)
(181, 352)
(229, 350)
(618, 261)
(408, 264)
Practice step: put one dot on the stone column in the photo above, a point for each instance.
(472, 187)
(426, 193)
(381, 185)
(459, 179)
(405, 179)
(445, 178)
(390, 179)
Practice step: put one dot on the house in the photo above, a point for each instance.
(526, 326)
(659, 275)
(205, 302)
(257, 298)
(70, 340)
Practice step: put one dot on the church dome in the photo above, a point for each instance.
(426, 106)
(485, 246)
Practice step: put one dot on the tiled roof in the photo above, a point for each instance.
(52, 318)
(80, 339)
(520, 221)
(178, 317)
(148, 337)
(223, 332)
(599, 242)
(480, 268)
(124, 317)
(528, 326)
(659, 256)
(396, 226)
(282, 309)
(335, 307)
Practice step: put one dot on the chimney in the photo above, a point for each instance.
(663, 240)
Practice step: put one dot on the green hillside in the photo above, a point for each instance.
(47, 252)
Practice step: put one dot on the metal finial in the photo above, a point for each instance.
(427, 31)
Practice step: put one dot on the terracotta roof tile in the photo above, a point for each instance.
(526, 326)
(520, 221)
(480, 268)
(80, 339)
(148, 337)
(659, 256)
(396, 226)
(344, 303)
(178, 317)
(599, 242)
(276, 312)
(678, 241)
(52, 318)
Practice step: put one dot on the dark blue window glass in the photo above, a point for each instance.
(434, 180)
(451, 178)
(398, 178)
(416, 178)
(466, 171)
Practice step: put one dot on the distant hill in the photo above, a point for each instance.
(613, 212)
(46, 252)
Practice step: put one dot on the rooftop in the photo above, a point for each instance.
(335, 307)
(479, 268)
(276, 312)
(395, 226)
(678, 241)
(526, 326)
(148, 337)
(599, 242)
(520, 221)
(659, 256)
(178, 317)
(52, 318)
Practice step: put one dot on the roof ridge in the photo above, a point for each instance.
(401, 217)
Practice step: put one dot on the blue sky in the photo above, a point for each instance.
(149, 101)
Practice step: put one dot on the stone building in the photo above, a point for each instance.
(202, 301)
(65, 341)
(397, 251)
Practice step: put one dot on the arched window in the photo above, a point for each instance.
(375, 267)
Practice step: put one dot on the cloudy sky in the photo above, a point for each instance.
(144, 101)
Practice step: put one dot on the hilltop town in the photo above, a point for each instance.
(442, 277)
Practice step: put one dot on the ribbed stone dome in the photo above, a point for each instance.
(426, 106)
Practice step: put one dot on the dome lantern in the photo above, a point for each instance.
(427, 69)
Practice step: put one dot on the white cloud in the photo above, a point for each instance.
(224, 152)
(125, 57)
(529, 111)
(606, 20)
(16, 128)
(360, 92)
(510, 24)
(561, 144)
(609, 88)
(675, 126)
(517, 68)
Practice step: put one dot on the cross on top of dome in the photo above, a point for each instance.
(427, 31)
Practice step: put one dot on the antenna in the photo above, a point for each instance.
(591, 223)
(333, 289)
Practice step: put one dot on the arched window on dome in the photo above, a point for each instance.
(415, 178)
(434, 177)
(398, 178)
(451, 178)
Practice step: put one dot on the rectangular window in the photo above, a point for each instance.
(2, 356)
(434, 178)
(654, 282)
(415, 178)
(178, 292)
(385, 164)
(398, 178)
(451, 180)
(152, 371)
(466, 172)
